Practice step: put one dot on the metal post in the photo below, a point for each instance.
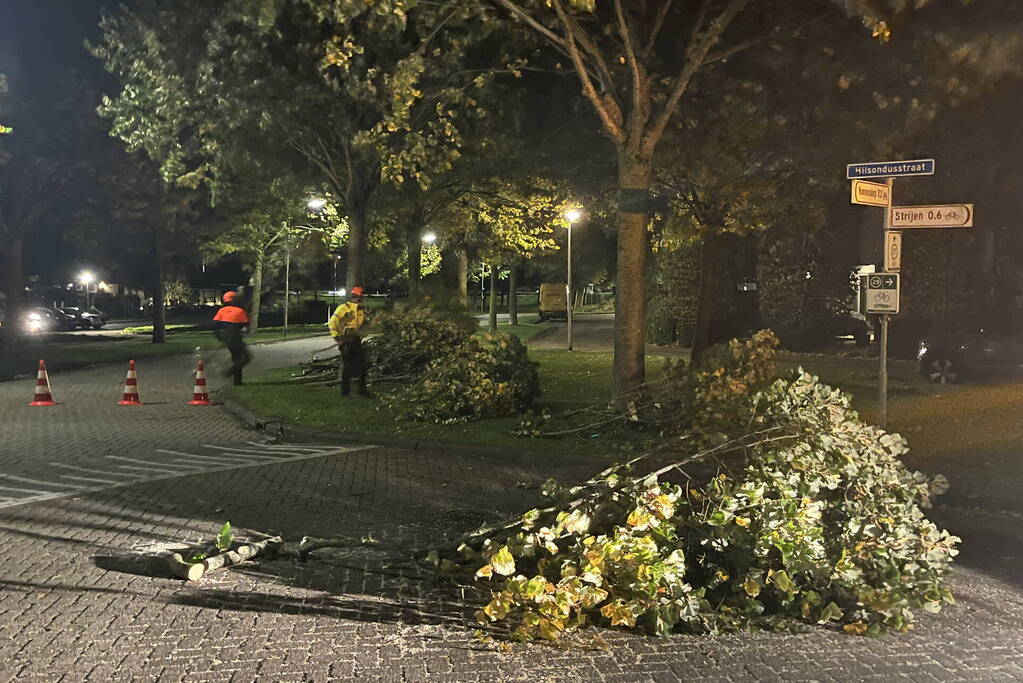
(882, 378)
(287, 280)
(568, 286)
(883, 374)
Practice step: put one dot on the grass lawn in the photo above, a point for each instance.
(66, 352)
(569, 380)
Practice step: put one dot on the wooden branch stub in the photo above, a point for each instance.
(193, 571)
(190, 571)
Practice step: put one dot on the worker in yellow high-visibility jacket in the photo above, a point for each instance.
(345, 325)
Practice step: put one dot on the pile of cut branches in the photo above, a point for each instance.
(804, 514)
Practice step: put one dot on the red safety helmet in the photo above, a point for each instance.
(358, 291)
(229, 296)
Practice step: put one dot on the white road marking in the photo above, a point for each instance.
(246, 451)
(92, 479)
(86, 469)
(7, 501)
(223, 460)
(14, 488)
(26, 480)
(167, 467)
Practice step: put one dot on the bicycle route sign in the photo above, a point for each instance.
(882, 292)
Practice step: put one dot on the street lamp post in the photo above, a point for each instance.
(572, 215)
(287, 279)
(314, 205)
(86, 278)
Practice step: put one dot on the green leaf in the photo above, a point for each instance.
(831, 612)
(503, 562)
(224, 537)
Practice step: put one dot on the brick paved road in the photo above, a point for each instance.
(81, 601)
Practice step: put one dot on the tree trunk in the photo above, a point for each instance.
(493, 299)
(13, 285)
(513, 297)
(159, 300)
(705, 303)
(463, 277)
(256, 299)
(414, 246)
(355, 274)
(635, 173)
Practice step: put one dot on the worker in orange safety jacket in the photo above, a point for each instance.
(230, 323)
(345, 327)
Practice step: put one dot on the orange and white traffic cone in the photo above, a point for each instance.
(130, 397)
(42, 397)
(200, 396)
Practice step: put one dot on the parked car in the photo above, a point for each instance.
(553, 301)
(38, 319)
(86, 318)
(952, 357)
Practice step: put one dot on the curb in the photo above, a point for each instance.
(281, 429)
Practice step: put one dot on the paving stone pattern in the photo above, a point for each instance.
(82, 599)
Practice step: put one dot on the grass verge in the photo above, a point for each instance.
(574, 380)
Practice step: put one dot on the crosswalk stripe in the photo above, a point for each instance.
(26, 480)
(86, 469)
(248, 451)
(157, 466)
(9, 500)
(224, 460)
(92, 479)
(14, 488)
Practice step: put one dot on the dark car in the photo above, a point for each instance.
(39, 319)
(86, 318)
(952, 357)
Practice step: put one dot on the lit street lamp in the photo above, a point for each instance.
(313, 205)
(429, 238)
(572, 215)
(87, 278)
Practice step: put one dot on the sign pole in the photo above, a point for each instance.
(882, 379)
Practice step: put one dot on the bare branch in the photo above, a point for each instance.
(608, 110)
(523, 15)
(638, 80)
(697, 26)
(695, 55)
(662, 13)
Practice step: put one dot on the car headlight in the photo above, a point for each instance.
(34, 316)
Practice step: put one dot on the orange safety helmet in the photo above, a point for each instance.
(358, 291)
(229, 296)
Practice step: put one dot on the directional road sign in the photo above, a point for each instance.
(892, 251)
(938, 216)
(890, 169)
(871, 194)
(882, 292)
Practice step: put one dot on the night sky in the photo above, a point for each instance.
(42, 39)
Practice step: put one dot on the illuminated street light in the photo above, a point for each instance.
(87, 278)
(572, 215)
(429, 238)
(316, 204)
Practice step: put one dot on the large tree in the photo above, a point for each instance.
(636, 61)
(362, 91)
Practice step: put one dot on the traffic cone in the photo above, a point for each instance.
(200, 397)
(130, 397)
(42, 397)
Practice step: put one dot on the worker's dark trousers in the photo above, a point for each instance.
(239, 359)
(353, 364)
